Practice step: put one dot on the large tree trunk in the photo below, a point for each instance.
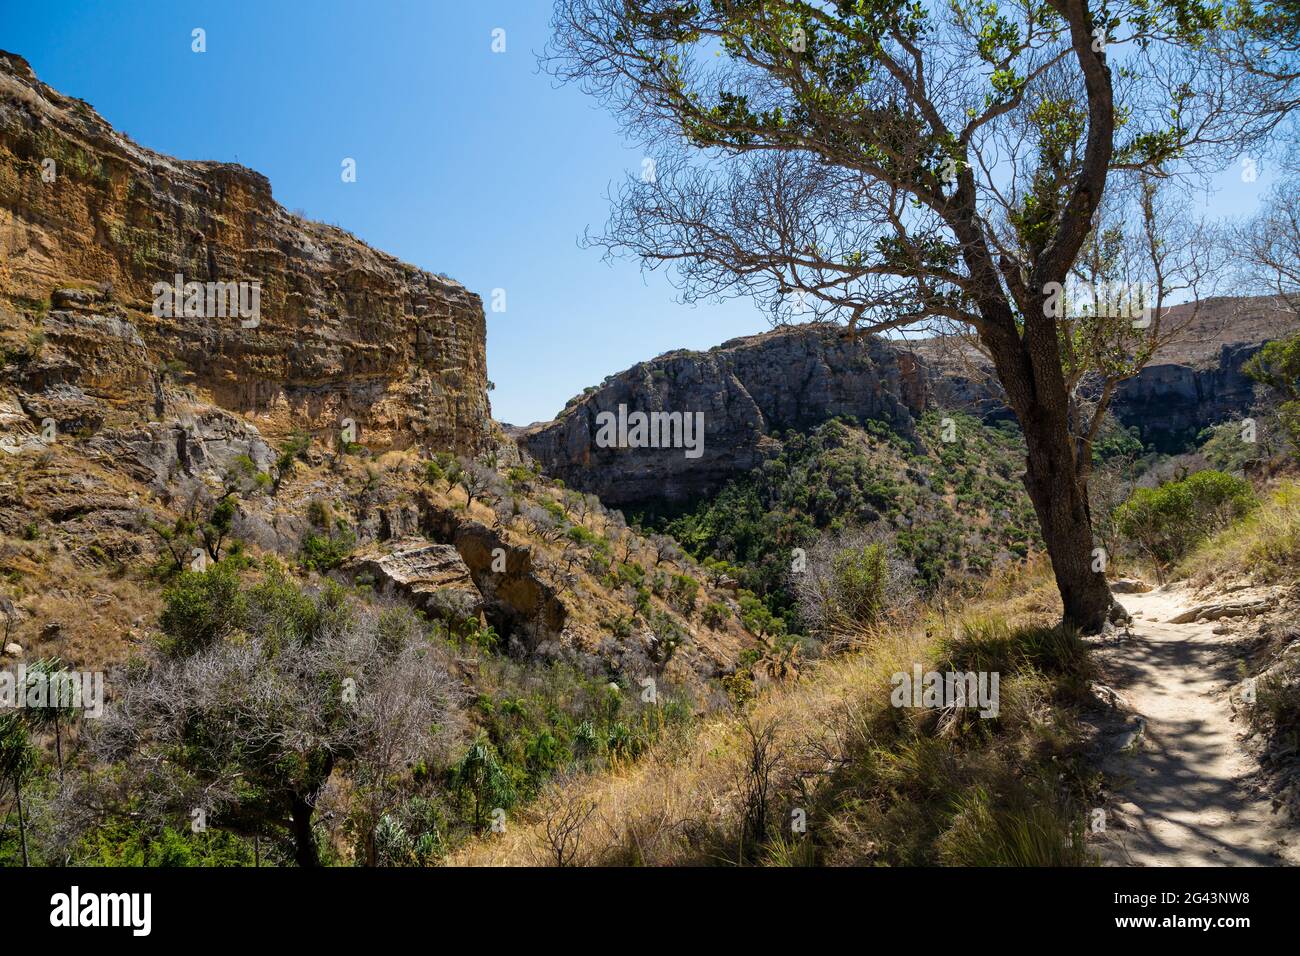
(304, 837)
(1029, 368)
(1061, 503)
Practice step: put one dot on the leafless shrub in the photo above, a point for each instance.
(761, 762)
(838, 598)
(263, 720)
(564, 822)
(664, 548)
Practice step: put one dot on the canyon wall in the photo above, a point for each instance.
(90, 222)
(746, 389)
(751, 388)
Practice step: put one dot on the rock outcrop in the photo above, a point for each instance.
(747, 389)
(432, 577)
(516, 601)
(751, 388)
(91, 222)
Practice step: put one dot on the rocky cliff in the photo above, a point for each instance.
(140, 435)
(1194, 381)
(91, 223)
(746, 390)
(751, 388)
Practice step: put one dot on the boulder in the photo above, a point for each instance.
(433, 577)
(1129, 586)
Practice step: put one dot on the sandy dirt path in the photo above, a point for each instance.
(1185, 791)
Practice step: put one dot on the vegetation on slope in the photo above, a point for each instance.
(951, 504)
(826, 770)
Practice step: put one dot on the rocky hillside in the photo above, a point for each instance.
(90, 222)
(747, 389)
(138, 447)
(750, 389)
(1193, 382)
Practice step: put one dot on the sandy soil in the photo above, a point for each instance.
(1186, 794)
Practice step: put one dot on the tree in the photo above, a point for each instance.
(260, 695)
(61, 706)
(930, 167)
(476, 479)
(17, 761)
(664, 548)
(479, 772)
(1277, 365)
(1271, 264)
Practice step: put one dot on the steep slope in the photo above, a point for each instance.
(343, 331)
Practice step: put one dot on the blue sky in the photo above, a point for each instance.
(469, 163)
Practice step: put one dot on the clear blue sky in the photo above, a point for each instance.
(469, 163)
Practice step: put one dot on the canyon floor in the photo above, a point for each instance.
(1189, 791)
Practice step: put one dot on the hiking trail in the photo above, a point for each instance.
(1185, 787)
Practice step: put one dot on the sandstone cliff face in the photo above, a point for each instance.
(121, 429)
(344, 331)
(746, 389)
(796, 377)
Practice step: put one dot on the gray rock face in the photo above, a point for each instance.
(746, 389)
(1171, 403)
(203, 444)
(750, 388)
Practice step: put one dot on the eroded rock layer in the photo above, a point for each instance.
(90, 222)
(750, 389)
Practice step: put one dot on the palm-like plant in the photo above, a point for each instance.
(60, 708)
(17, 761)
(480, 772)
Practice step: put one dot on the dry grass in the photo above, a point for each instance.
(1265, 544)
(675, 805)
(81, 612)
(860, 771)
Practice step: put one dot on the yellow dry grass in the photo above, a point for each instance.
(662, 809)
(1265, 544)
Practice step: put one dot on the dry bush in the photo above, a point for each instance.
(564, 823)
(852, 581)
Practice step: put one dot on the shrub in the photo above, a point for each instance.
(716, 614)
(1168, 521)
(682, 592)
(325, 552)
(1266, 543)
(200, 608)
(850, 582)
(263, 693)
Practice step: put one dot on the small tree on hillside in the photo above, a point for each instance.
(17, 762)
